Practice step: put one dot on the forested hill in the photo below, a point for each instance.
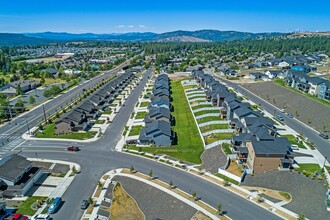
(278, 45)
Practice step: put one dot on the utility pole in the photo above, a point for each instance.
(27, 125)
(43, 108)
(11, 116)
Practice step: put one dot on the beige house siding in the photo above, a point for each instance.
(62, 128)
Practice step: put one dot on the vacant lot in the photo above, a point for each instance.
(303, 108)
(308, 196)
(154, 203)
(123, 206)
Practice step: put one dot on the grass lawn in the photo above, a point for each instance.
(108, 112)
(190, 87)
(207, 119)
(125, 130)
(123, 206)
(144, 104)
(309, 168)
(226, 148)
(99, 121)
(200, 106)
(213, 127)
(140, 115)
(281, 82)
(190, 146)
(25, 207)
(234, 168)
(226, 178)
(216, 137)
(292, 140)
(113, 105)
(135, 130)
(206, 112)
(49, 132)
(49, 81)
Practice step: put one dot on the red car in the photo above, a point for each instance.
(73, 148)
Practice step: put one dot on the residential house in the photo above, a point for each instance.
(160, 102)
(17, 175)
(26, 85)
(157, 133)
(156, 114)
(275, 74)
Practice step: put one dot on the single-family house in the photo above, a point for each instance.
(157, 133)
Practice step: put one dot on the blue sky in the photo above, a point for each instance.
(109, 16)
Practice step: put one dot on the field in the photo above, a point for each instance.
(46, 59)
(190, 146)
(215, 137)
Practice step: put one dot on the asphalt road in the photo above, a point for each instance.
(21, 124)
(98, 157)
(321, 144)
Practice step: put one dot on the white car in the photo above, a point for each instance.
(282, 110)
(294, 147)
(40, 217)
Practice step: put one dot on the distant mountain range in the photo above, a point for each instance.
(175, 36)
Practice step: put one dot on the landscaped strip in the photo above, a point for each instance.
(293, 140)
(213, 127)
(190, 146)
(208, 119)
(216, 137)
(49, 132)
(135, 130)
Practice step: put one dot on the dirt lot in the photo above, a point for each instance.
(309, 111)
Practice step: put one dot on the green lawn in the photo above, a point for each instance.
(309, 168)
(293, 140)
(226, 178)
(144, 104)
(206, 112)
(99, 122)
(207, 119)
(125, 130)
(135, 130)
(213, 127)
(281, 82)
(190, 87)
(49, 132)
(201, 106)
(140, 115)
(216, 137)
(226, 149)
(108, 112)
(190, 146)
(25, 207)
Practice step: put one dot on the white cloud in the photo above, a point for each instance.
(142, 26)
(130, 26)
(121, 26)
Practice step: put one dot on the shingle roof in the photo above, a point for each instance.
(277, 147)
(15, 166)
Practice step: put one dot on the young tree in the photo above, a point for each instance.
(219, 207)
(301, 216)
(170, 184)
(150, 173)
(132, 169)
(194, 195)
(32, 100)
(19, 90)
(19, 106)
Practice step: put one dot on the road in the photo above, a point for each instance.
(98, 157)
(321, 144)
(11, 132)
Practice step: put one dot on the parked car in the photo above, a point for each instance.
(325, 136)
(55, 205)
(84, 204)
(290, 115)
(40, 217)
(282, 110)
(294, 147)
(73, 148)
(279, 117)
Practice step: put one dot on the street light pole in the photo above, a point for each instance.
(325, 160)
(27, 125)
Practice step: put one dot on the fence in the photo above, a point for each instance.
(218, 122)
(208, 146)
(201, 103)
(218, 131)
(196, 95)
(198, 99)
(207, 109)
(207, 115)
(230, 175)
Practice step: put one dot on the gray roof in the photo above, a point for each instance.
(277, 147)
(13, 167)
(158, 132)
(158, 101)
(156, 113)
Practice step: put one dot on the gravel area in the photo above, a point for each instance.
(308, 196)
(308, 109)
(60, 168)
(154, 203)
(213, 159)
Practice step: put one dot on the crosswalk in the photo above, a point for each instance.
(8, 143)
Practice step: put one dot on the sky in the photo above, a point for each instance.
(121, 16)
